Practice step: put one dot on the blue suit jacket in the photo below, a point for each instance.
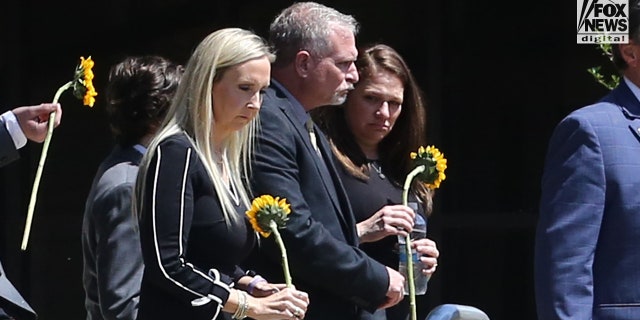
(10, 299)
(320, 236)
(587, 257)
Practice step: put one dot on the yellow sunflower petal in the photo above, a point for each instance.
(264, 234)
(86, 63)
(287, 209)
(88, 75)
(264, 207)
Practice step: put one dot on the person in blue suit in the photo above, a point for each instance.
(587, 255)
(16, 127)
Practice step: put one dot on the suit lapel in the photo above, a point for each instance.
(623, 97)
(326, 171)
(340, 200)
(323, 170)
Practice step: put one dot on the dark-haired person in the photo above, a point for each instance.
(16, 127)
(587, 257)
(372, 135)
(138, 95)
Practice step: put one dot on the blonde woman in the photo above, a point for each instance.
(191, 198)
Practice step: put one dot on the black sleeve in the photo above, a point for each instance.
(165, 225)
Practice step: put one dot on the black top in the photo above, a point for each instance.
(190, 253)
(367, 197)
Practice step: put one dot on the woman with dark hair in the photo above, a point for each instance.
(138, 94)
(372, 135)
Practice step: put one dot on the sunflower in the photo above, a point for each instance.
(83, 82)
(429, 166)
(434, 163)
(267, 215)
(84, 90)
(265, 209)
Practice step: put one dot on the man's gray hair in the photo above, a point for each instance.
(306, 26)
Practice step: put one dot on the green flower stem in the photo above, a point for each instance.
(283, 251)
(43, 157)
(412, 287)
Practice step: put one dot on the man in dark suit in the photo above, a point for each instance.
(315, 48)
(16, 127)
(138, 96)
(587, 257)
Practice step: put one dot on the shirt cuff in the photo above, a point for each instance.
(11, 122)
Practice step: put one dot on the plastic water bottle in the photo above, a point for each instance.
(419, 232)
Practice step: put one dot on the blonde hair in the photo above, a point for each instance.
(191, 112)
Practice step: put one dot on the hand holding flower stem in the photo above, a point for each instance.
(83, 89)
(43, 156)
